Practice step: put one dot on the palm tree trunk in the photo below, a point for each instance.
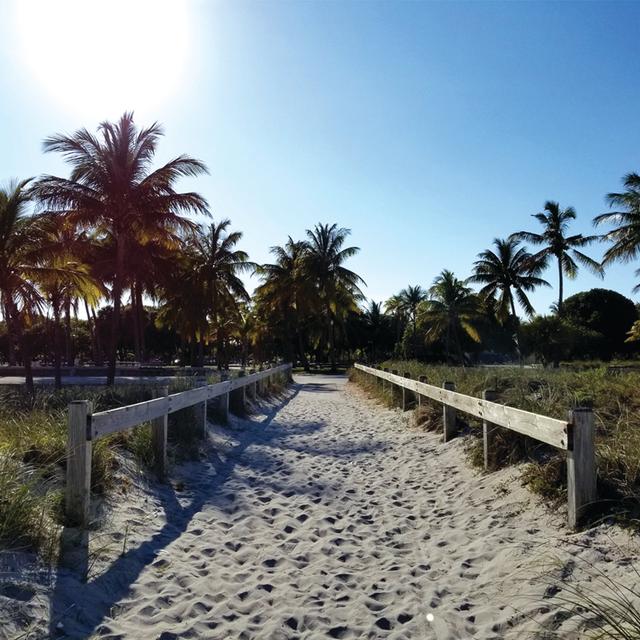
(98, 354)
(92, 329)
(301, 352)
(141, 321)
(136, 327)
(57, 355)
(560, 286)
(115, 318)
(11, 335)
(516, 330)
(332, 341)
(68, 351)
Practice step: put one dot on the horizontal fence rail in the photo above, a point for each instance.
(84, 426)
(113, 420)
(575, 435)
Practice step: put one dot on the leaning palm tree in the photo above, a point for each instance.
(449, 313)
(556, 243)
(113, 190)
(324, 264)
(624, 238)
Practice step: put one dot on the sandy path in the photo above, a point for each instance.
(326, 517)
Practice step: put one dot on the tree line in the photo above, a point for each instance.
(108, 263)
(116, 241)
(449, 320)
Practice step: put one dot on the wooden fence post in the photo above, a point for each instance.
(489, 431)
(203, 408)
(238, 397)
(581, 464)
(424, 380)
(407, 395)
(223, 401)
(449, 416)
(385, 382)
(78, 489)
(159, 428)
(395, 392)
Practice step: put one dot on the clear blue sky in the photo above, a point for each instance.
(426, 128)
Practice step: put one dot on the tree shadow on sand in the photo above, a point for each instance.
(82, 606)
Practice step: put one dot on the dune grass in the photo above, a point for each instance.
(614, 397)
(33, 433)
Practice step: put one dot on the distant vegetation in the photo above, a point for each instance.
(107, 264)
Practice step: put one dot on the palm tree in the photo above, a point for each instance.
(68, 278)
(285, 293)
(450, 312)
(558, 244)
(375, 323)
(18, 260)
(395, 307)
(508, 270)
(28, 261)
(410, 299)
(113, 190)
(624, 239)
(324, 260)
(217, 264)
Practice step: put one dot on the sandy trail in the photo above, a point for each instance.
(324, 516)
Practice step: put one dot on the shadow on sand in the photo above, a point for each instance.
(79, 606)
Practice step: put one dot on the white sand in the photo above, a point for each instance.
(326, 516)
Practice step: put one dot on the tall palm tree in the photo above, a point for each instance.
(68, 278)
(395, 307)
(624, 238)
(19, 294)
(450, 312)
(410, 299)
(324, 263)
(556, 243)
(375, 323)
(217, 264)
(113, 190)
(508, 273)
(285, 293)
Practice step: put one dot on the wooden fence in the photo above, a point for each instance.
(85, 427)
(575, 436)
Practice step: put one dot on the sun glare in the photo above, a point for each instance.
(101, 57)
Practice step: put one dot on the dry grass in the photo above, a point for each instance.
(615, 398)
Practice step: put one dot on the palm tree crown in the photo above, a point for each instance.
(336, 285)
(506, 271)
(624, 239)
(450, 312)
(113, 190)
(556, 243)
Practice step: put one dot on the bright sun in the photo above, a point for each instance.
(102, 57)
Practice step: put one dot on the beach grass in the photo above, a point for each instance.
(614, 397)
(33, 435)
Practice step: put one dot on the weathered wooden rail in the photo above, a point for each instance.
(84, 427)
(575, 435)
